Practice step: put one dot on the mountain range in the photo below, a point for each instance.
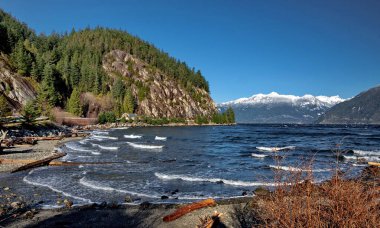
(277, 108)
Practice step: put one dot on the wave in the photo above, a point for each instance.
(368, 153)
(160, 138)
(84, 141)
(96, 153)
(132, 136)
(275, 149)
(141, 146)
(77, 148)
(259, 155)
(105, 147)
(55, 190)
(100, 132)
(294, 169)
(213, 180)
(98, 186)
(120, 128)
(104, 137)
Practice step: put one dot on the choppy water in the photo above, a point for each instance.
(189, 163)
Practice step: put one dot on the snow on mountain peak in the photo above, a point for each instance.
(273, 98)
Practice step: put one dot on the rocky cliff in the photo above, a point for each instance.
(158, 94)
(16, 89)
(362, 109)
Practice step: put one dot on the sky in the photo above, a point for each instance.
(242, 47)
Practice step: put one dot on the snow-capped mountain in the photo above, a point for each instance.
(276, 108)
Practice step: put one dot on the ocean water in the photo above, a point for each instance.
(191, 163)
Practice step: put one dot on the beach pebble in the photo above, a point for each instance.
(29, 215)
(68, 203)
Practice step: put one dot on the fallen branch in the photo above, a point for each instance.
(189, 208)
(39, 163)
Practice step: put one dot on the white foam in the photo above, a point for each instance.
(120, 128)
(100, 132)
(55, 190)
(80, 166)
(275, 149)
(142, 146)
(104, 137)
(77, 148)
(133, 136)
(96, 153)
(213, 180)
(294, 169)
(98, 186)
(160, 138)
(84, 141)
(259, 155)
(367, 158)
(350, 157)
(367, 153)
(105, 147)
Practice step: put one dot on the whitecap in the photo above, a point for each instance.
(77, 148)
(259, 155)
(96, 153)
(120, 128)
(105, 147)
(275, 149)
(98, 186)
(367, 153)
(55, 190)
(213, 180)
(294, 169)
(104, 137)
(158, 138)
(142, 146)
(132, 136)
(100, 132)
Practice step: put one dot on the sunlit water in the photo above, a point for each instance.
(190, 163)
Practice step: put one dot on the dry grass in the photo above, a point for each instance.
(338, 202)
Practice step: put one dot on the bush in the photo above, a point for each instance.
(30, 111)
(107, 117)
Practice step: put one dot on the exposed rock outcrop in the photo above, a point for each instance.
(164, 96)
(17, 90)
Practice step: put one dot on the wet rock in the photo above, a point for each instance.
(2, 212)
(29, 215)
(175, 191)
(68, 203)
(128, 199)
(145, 205)
(16, 204)
(220, 182)
(164, 197)
(244, 193)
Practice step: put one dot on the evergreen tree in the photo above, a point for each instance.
(22, 59)
(129, 102)
(48, 92)
(118, 89)
(73, 104)
(5, 109)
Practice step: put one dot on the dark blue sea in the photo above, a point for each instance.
(191, 163)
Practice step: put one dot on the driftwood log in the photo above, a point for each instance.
(39, 163)
(374, 163)
(189, 208)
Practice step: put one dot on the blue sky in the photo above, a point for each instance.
(243, 47)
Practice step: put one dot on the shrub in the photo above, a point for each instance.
(107, 117)
(30, 111)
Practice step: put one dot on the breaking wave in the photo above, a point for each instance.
(98, 186)
(294, 169)
(104, 137)
(367, 153)
(275, 149)
(259, 155)
(100, 132)
(142, 146)
(213, 180)
(160, 138)
(133, 136)
(77, 148)
(105, 147)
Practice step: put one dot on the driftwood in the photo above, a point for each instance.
(374, 163)
(38, 163)
(189, 208)
(210, 221)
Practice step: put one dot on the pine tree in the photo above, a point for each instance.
(48, 91)
(5, 109)
(73, 104)
(129, 102)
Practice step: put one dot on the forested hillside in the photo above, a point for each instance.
(95, 70)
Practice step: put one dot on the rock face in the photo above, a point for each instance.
(277, 108)
(362, 109)
(16, 89)
(159, 95)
